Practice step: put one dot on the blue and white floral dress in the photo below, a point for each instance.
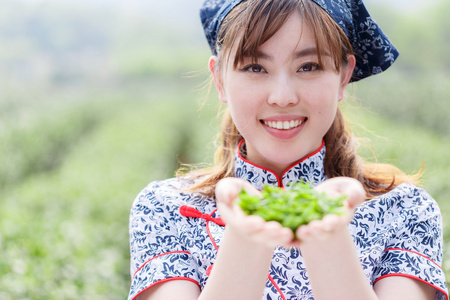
(176, 235)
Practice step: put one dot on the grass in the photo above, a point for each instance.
(64, 231)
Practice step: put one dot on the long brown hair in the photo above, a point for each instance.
(248, 26)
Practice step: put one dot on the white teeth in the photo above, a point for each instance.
(283, 125)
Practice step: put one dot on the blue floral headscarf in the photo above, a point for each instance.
(374, 51)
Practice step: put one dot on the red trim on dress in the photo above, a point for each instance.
(399, 249)
(166, 280)
(209, 232)
(208, 270)
(157, 257)
(305, 158)
(412, 277)
(188, 211)
(277, 287)
(249, 162)
(279, 180)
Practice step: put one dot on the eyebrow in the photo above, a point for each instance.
(298, 54)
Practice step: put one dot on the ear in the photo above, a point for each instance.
(346, 74)
(217, 77)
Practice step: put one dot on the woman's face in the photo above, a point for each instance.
(285, 103)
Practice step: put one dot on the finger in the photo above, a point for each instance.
(331, 222)
(228, 189)
(354, 191)
(273, 234)
(315, 227)
(350, 187)
(355, 195)
(303, 233)
(276, 231)
(252, 224)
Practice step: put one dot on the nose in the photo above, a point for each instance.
(283, 91)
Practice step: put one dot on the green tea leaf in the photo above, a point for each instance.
(296, 206)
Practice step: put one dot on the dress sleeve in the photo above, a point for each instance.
(416, 251)
(155, 250)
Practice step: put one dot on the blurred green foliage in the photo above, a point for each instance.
(93, 108)
(416, 90)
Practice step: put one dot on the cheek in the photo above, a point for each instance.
(323, 105)
(325, 95)
(243, 97)
(240, 106)
(244, 106)
(321, 102)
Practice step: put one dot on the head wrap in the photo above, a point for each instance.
(374, 51)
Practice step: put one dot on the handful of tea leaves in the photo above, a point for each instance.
(296, 206)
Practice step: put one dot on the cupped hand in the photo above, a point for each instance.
(324, 228)
(253, 228)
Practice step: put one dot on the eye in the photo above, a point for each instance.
(309, 67)
(254, 68)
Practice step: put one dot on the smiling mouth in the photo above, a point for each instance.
(284, 125)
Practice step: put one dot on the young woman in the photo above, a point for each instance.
(281, 66)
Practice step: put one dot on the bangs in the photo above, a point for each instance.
(254, 22)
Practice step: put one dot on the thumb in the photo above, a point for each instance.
(350, 187)
(228, 189)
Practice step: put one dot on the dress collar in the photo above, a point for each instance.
(309, 169)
